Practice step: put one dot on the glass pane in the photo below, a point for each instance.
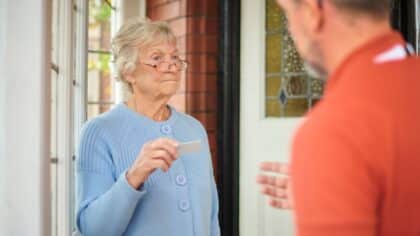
(292, 61)
(290, 92)
(273, 53)
(99, 25)
(94, 110)
(272, 108)
(272, 87)
(100, 84)
(273, 17)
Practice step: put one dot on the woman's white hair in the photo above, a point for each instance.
(136, 35)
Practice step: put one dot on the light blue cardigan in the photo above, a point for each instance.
(181, 202)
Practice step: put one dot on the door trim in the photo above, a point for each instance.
(228, 115)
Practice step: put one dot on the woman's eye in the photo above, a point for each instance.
(175, 57)
(156, 57)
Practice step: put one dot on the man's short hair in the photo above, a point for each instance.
(374, 8)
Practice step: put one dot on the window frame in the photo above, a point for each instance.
(71, 100)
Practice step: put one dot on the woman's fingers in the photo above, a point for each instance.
(163, 155)
(169, 145)
(158, 163)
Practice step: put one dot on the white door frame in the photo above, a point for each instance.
(261, 138)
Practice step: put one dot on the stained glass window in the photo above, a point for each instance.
(290, 92)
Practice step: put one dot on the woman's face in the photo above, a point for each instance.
(157, 71)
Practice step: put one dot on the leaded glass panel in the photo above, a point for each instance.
(290, 92)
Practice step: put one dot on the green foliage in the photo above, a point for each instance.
(99, 12)
(101, 64)
(104, 60)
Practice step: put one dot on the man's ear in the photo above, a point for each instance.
(312, 16)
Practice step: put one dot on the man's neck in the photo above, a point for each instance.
(348, 39)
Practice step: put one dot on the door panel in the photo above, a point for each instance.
(275, 93)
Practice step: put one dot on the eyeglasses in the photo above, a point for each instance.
(179, 64)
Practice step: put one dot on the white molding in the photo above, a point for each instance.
(64, 116)
(116, 22)
(26, 78)
(3, 106)
(80, 78)
(80, 86)
(251, 218)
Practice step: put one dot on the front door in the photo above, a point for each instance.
(275, 93)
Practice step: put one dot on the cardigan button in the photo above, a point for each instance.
(181, 180)
(184, 205)
(166, 129)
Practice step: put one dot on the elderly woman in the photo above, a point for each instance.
(131, 179)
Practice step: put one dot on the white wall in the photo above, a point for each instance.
(24, 122)
(3, 23)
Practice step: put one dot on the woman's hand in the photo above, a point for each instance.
(159, 153)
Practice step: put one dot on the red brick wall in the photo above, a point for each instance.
(195, 23)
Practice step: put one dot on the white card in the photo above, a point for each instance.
(189, 147)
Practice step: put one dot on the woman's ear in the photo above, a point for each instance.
(129, 78)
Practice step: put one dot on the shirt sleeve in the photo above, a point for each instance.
(104, 204)
(334, 188)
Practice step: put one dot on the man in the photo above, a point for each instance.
(355, 166)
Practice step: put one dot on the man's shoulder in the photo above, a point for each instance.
(378, 77)
(354, 122)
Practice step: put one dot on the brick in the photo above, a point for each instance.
(212, 26)
(202, 63)
(212, 8)
(166, 11)
(179, 26)
(214, 155)
(202, 44)
(212, 139)
(208, 119)
(201, 102)
(200, 8)
(153, 3)
(202, 25)
(201, 83)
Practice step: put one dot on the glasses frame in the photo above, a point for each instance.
(184, 64)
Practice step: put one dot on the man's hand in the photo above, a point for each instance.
(277, 187)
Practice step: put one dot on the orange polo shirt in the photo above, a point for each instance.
(356, 159)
